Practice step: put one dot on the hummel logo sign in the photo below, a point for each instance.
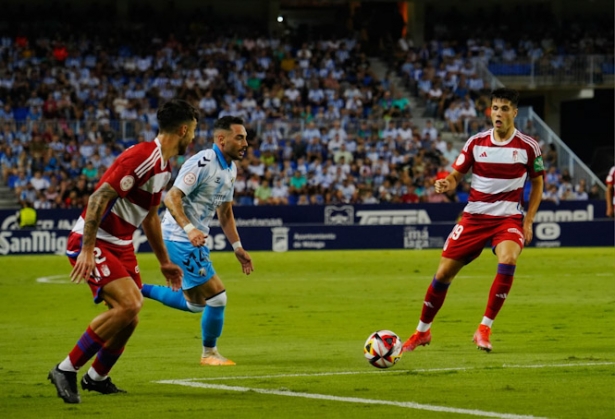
(483, 154)
(502, 296)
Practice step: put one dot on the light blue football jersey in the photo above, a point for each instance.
(207, 181)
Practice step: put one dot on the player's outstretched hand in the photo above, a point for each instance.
(173, 275)
(83, 267)
(244, 258)
(197, 238)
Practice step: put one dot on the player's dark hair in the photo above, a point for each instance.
(226, 121)
(509, 94)
(174, 113)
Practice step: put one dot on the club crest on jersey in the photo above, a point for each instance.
(189, 179)
(515, 156)
(127, 182)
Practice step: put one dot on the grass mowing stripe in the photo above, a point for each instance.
(322, 374)
(407, 405)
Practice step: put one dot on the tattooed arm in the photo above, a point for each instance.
(96, 207)
(173, 202)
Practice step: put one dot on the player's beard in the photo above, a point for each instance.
(182, 146)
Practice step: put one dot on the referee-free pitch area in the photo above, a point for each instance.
(296, 328)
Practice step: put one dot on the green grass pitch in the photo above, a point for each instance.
(296, 329)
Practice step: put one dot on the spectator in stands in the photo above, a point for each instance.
(566, 190)
(550, 158)
(467, 113)
(453, 120)
(279, 193)
(580, 191)
(450, 154)
(263, 194)
(297, 184)
(429, 129)
(551, 194)
(39, 182)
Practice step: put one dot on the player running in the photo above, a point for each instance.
(204, 187)
(100, 248)
(501, 160)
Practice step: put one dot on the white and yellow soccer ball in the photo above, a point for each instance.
(383, 349)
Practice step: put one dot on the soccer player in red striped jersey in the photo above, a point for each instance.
(101, 250)
(610, 197)
(501, 160)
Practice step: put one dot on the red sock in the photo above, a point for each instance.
(105, 360)
(499, 289)
(86, 348)
(436, 293)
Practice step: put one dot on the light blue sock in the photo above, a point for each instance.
(166, 296)
(211, 325)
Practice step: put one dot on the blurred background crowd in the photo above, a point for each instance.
(324, 127)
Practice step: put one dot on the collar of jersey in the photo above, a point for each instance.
(220, 156)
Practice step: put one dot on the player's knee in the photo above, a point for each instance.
(132, 307)
(507, 258)
(195, 308)
(218, 300)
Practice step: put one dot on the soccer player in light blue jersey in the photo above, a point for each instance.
(204, 186)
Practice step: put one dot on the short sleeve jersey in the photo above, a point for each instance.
(206, 180)
(499, 172)
(138, 175)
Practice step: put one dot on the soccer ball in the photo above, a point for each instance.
(382, 349)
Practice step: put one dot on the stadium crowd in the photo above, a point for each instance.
(324, 128)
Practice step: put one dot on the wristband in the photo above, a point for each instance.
(236, 245)
(188, 228)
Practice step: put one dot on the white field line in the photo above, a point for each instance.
(192, 382)
(407, 405)
(427, 370)
(54, 279)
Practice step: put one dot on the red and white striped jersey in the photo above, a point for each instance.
(499, 172)
(610, 180)
(138, 175)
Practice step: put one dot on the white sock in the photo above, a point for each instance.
(423, 327)
(66, 365)
(207, 351)
(96, 376)
(487, 321)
